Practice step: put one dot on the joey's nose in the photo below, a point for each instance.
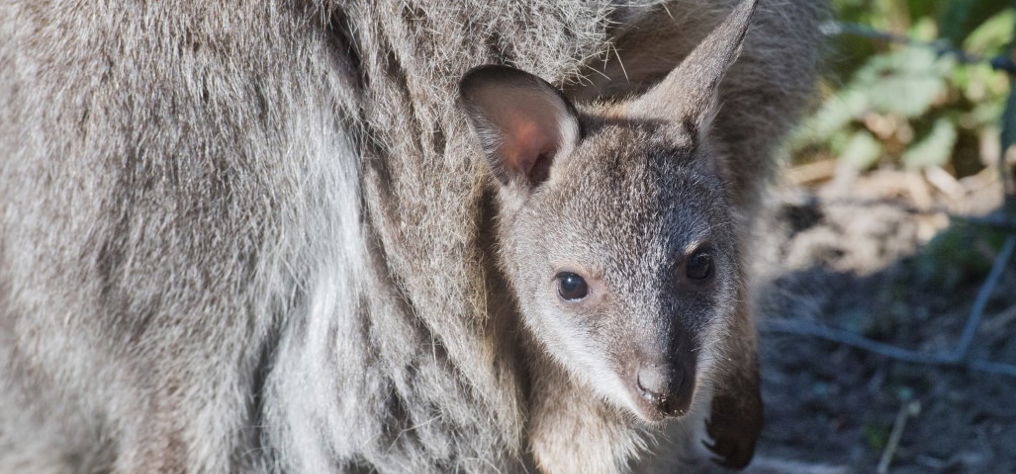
(665, 388)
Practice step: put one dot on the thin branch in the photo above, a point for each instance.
(983, 295)
(908, 410)
(850, 339)
(887, 350)
(940, 47)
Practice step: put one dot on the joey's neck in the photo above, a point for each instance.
(570, 428)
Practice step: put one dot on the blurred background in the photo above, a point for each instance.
(933, 103)
(889, 293)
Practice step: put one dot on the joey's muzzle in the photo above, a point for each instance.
(664, 390)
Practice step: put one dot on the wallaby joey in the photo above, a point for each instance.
(616, 233)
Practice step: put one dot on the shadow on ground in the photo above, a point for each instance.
(870, 268)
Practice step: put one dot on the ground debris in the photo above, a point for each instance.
(878, 256)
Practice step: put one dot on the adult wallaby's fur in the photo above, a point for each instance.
(261, 236)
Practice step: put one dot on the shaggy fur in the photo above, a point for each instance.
(258, 235)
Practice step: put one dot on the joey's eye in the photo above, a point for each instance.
(571, 287)
(699, 266)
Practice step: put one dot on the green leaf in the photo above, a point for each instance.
(993, 35)
(924, 29)
(905, 82)
(835, 114)
(862, 151)
(935, 148)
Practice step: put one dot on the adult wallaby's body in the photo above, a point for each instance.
(260, 236)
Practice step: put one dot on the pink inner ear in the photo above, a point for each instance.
(529, 145)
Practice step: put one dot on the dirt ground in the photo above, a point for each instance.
(868, 254)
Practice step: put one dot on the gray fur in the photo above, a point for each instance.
(259, 236)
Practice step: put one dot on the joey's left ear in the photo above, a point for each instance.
(687, 95)
(524, 124)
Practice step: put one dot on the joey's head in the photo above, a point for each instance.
(614, 229)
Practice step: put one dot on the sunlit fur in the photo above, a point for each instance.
(252, 236)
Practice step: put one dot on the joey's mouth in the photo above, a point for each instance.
(655, 409)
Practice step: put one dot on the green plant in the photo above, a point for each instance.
(908, 104)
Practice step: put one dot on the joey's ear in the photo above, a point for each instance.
(688, 94)
(523, 123)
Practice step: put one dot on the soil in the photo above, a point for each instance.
(873, 255)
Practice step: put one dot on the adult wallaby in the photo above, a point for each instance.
(260, 236)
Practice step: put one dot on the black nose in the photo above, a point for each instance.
(666, 388)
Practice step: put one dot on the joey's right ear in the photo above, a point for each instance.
(523, 123)
(688, 95)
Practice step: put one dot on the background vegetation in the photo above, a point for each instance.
(912, 105)
(905, 136)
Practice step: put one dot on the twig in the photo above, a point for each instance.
(974, 320)
(906, 411)
(940, 47)
(1000, 320)
(850, 339)
(888, 350)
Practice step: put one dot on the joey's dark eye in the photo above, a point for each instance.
(571, 287)
(699, 266)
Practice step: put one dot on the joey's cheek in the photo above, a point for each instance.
(603, 325)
